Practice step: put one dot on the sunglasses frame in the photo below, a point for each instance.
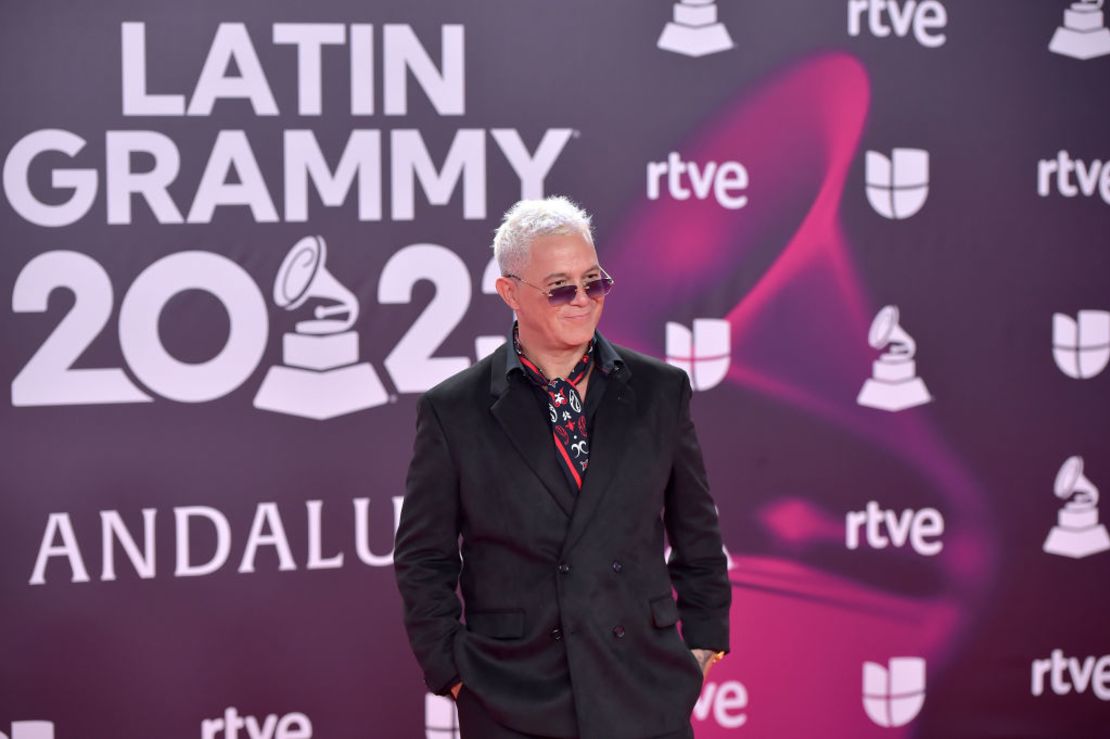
(576, 286)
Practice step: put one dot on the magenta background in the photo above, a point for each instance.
(799, 273)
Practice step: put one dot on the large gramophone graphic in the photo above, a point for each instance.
(321, 376)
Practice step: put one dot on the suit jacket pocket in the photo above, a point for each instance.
(496, 624)
(664, 612)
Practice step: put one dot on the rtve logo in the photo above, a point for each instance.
(1091, 672)
(725, 181)
(897, 187)
(728, 701)
(925, 18)
(30, 730)
(1081, 345)
(1090, 177)
(289, 726)
(894, 696)
(705, 353)
(921, 529)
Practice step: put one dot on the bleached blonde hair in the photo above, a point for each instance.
(529, 220)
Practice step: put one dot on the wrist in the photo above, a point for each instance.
(707, 657)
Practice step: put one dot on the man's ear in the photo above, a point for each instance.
(506, 288)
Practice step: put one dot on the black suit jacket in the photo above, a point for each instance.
(570, 623)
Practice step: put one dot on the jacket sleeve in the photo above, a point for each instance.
(698, 568)
(426, 556)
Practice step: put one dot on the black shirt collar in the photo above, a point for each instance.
(605, 356)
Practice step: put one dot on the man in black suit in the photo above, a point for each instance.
(557, 463)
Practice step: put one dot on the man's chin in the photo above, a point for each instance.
(576, 335)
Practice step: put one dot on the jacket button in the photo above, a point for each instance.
(618, 631)
(564, 568)
(556, 633)
(617, 566)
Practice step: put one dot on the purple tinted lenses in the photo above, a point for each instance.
(594, 289)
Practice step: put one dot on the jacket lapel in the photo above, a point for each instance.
(519, 414)
(612, 421)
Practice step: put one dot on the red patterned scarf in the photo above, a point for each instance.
(565, 409)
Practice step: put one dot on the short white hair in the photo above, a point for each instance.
(529, 220)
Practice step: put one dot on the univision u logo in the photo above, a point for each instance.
(1081, 345)
(897, 187)
(31, 730)
(441, 717)
(704, 353)
(894, 695)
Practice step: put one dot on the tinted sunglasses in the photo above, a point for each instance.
(595, 289)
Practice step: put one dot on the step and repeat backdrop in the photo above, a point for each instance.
(239, 240)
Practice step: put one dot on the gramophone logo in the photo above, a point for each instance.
(704, 353)
(695, 30)
(1081, 345)
(321, 376)
(1084, 34)
(894, 384)
(30, 730)
(441, 718)
(898, 186)
(1077, 532)
(894, 695)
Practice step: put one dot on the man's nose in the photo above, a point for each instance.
(580, 297)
